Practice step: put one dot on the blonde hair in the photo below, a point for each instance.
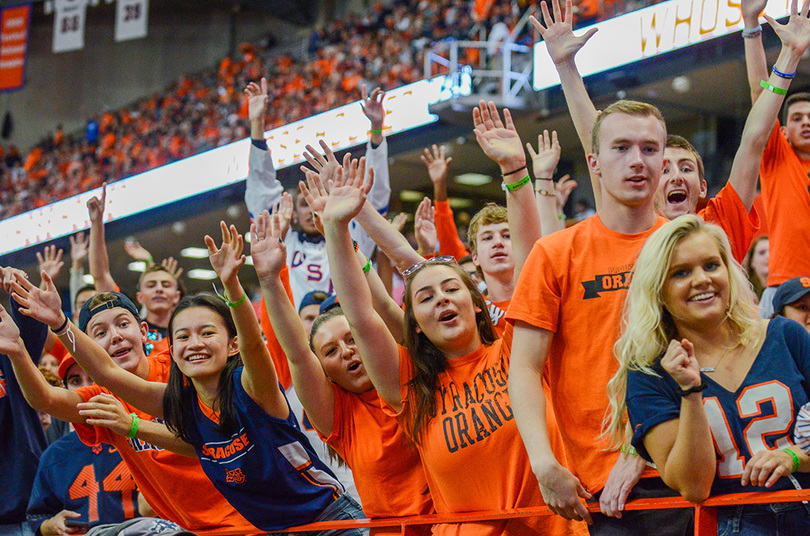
(491, 213)
(647, 325)
(627, 107)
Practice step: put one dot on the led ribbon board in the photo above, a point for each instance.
(406, 108)
(648, 32)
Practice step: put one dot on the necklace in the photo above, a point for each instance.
(722, 357)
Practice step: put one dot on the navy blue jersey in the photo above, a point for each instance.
(21, 437)
(760, 415)
(91, 481)
(266, 469)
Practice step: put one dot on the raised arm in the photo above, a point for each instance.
(316, 196)
(377, 346)
(562, 46)
(78, 252)
(561, 490)
(263, 189)
(376, 154)
(259, 377)
(795, 37)
(756, 64)
(501, 143)
(40, 395)
(544, 162)
(437, 164)
(311, 385)
(44, 305)
(381, 231)
(98, 259)
(424, 229)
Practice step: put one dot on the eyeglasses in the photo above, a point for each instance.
(444, 259)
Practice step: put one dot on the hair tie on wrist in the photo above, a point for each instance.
(753, 32)
(513, 172)
(61, 328)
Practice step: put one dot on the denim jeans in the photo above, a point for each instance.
(777, 519)
(343, 508)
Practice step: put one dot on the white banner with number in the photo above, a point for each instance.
(68, 25)
(131, 19)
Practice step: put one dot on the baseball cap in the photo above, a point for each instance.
(120, 301)
(66, 363)
(328, 303)
(315, 297)
(790, 291)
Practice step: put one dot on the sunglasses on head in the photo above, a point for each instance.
(444, 259)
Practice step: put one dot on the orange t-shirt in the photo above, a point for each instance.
(574, 284)
(726, 209)
(386, 467)
(471, 450)
(785, 193)
(174, 486)
(447, 232)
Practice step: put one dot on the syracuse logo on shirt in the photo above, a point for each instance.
(607, 283)
(471, 412)
(234, 476)
(222, 452)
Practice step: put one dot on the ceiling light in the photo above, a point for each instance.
(194, 253)
(472, 179)
(411, 196)
(459, 202)
(249, 260)
(137, 266)
(87, 279)
(247, 238)
(205, 275)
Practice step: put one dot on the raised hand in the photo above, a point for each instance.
(399, 221)
(315, 195)
(9, 334)
(226, 259)
(346, 200)
(796, 33)
(563, 191)
(267, 245)
(680, 362)
(95, 206)
(547, 156)
(50, 261)
(558, 34)
(135, 250)
(437, 163)
(751, 10)
(498, 139)
(284, 209)
(42, 304)
(257, 100)
(424, 228)
(107, 411)
(372, 106)
(8, 275)
(326, 165)
(172, 266)
(78, 249)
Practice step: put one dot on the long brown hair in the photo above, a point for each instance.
(428, 361)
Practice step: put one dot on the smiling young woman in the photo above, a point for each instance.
(709, 387)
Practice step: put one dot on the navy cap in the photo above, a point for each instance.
(315, 297)
(790, 291)
(328, 303)
(120, 301)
